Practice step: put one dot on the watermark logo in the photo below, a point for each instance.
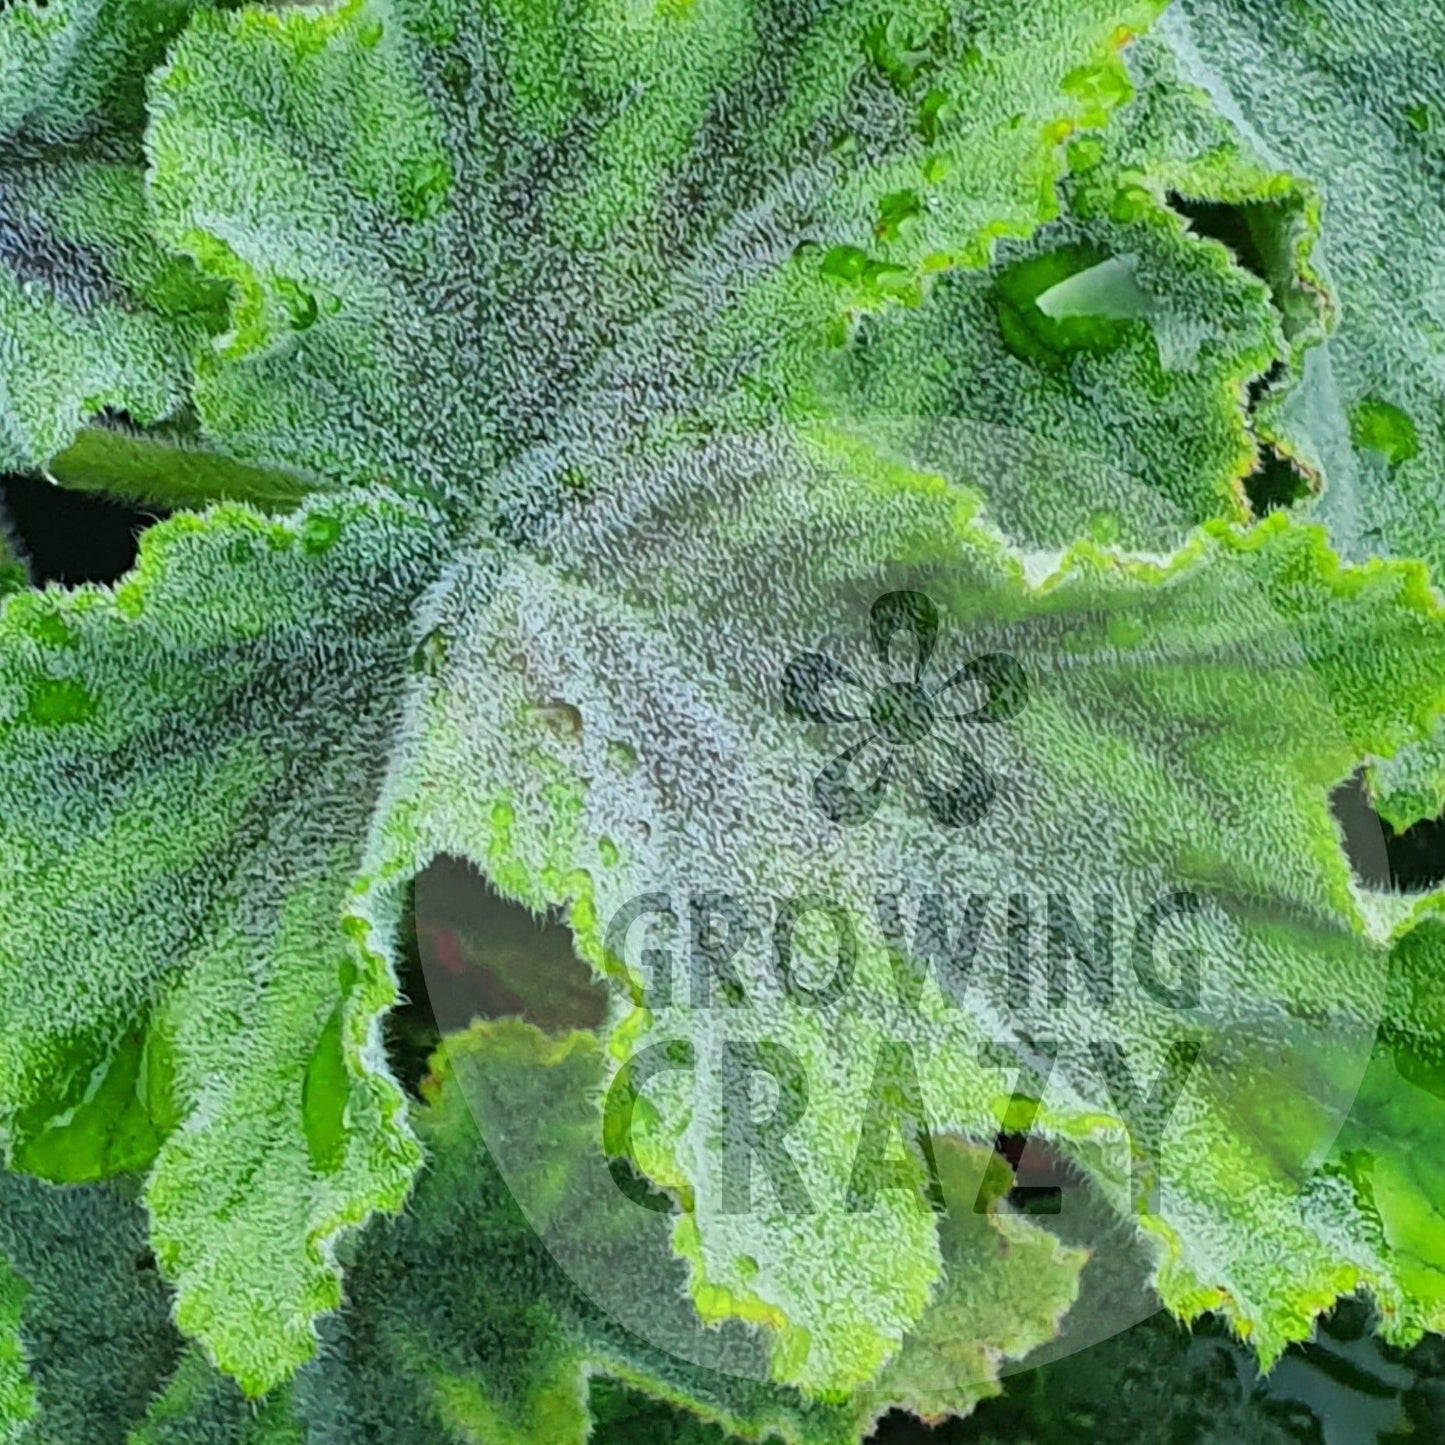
(927, 888)
(907, 723)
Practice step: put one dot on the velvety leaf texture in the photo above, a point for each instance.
(889, 524)
(182, 758)
(91, 1318)
(1101, 371)
(680, 771)
(456, 232)
(462, 1323)
(94, 312)
(497, 1345)
(1346, 95)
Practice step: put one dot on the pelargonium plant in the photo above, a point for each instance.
(813, 499)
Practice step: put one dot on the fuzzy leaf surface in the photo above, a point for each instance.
(606, 720)
(192, 759)
(94, 312)
(1345, 97)
(459, 232)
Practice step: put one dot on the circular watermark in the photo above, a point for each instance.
(942, 892)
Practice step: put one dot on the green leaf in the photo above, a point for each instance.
(199, 1406)
(518, 259)
(87, 1314)
(169, 467)
(1104, 368)
(500, 1345)
(75, 68)
(457, 232)
(192, 759)
(359, 156)
(94, 312)
(1390, 1149)
(1190, 720)
(1348, 97)
(460, 1324)
(1006, 1283)
(17, 1394)
(95, 315)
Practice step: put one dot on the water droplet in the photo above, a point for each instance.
(608, 851)
(1049, 337)
(1109, 291)
(370, 33)
(622, 757)
(1419, 117)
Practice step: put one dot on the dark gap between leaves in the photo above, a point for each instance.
(1040, 1178)
(72, 537)
(1265, 383)
(1230, 226)
(1408, 862)
(1276, 485)
(410, 1029)
(468, 953)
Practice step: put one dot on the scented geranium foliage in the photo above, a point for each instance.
(842, 489)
